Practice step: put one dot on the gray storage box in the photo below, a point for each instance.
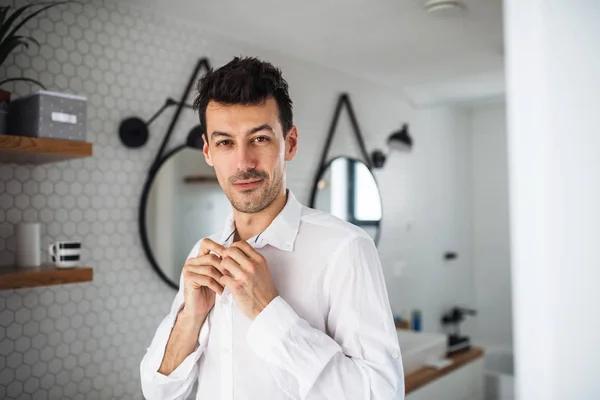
(49, 115)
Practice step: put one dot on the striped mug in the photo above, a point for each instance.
(65, 254)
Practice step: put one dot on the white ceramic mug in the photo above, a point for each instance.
(65, 253)
(27, 246)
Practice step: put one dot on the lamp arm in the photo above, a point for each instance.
(168, 103)
(203, 62)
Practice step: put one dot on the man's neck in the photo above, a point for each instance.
(249, 225)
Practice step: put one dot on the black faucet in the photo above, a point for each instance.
(454, 317)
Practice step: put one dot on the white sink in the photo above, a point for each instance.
(417, 348)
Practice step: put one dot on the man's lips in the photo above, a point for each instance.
(248, 184)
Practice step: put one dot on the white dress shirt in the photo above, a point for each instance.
(329, 334)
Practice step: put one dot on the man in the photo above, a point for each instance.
(286, 302)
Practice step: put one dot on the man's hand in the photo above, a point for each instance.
(201, 280)
(246, 274)
(200, 283)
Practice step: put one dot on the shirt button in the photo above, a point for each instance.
(395, 355)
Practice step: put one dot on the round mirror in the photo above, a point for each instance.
(347, 189)
(182, 202)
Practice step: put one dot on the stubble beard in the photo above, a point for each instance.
(255, 200)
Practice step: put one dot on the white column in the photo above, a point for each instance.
(553, 98)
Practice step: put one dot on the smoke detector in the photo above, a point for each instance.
(445, 8)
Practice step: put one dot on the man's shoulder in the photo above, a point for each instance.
(319, 222)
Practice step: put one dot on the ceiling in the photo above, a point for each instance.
(394, 43)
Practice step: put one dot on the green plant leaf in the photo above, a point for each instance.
(7, 46)
(6, 25)
(12, 19)
(3, 12)
(29, 39)
(23, 79)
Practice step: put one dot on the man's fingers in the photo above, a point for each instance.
(240, 258)
(214, 285)
(226, 281)
(203, 280)
(248, 250)
(207, 245)
(206, 270)
(230, 267)
(207, 259)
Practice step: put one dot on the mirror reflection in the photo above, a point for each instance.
(185, 202)
(347, 189)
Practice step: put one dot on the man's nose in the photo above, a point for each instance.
(245, 158)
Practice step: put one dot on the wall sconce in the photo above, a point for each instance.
(133, 131)
(399, 140)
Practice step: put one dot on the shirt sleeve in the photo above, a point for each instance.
(180, 382)
(359, 358)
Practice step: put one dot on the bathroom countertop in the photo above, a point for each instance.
(426, 375)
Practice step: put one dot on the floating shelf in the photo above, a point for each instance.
(34, 150)
(45, 275)
(200, 179)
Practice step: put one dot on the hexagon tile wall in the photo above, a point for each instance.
(85, 341)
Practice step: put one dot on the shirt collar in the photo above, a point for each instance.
(281, 233)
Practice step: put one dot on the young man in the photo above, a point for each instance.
(286, 302)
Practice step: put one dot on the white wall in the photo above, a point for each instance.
(553, 76)
(426, 207)
(490, 216)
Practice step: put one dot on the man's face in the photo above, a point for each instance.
(247, 149)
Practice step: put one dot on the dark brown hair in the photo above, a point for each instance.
(246, 81)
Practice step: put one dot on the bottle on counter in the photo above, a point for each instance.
(416, 320)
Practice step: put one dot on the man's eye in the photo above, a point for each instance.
(261, 139)
(223, 142)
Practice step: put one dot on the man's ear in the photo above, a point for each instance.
(291, 143)
(205, 150)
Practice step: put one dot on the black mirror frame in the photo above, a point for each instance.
(142, 215)
(315, 190)
(157, 163)
(344, 100)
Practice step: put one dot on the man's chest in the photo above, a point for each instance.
(229, 358)
(298, 279)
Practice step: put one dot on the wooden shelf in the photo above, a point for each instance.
(33, 150)
(46, 275)
(200, 179)
(427, 375)
(402, 325)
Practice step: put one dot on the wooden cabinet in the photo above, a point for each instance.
(463, 383)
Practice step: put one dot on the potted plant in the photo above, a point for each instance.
(10, 41)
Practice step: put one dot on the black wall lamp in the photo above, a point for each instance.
(399, 140)
(133, 131)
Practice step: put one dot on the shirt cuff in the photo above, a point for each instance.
(282, 338)
(273, 323)
(182, 372)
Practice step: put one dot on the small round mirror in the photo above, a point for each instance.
(347, 189)
(182, 202)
